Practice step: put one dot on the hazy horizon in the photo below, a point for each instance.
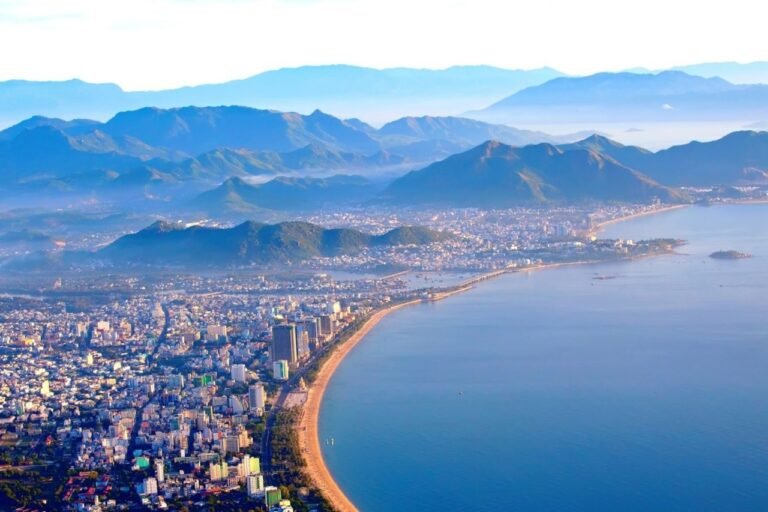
(169, 43)
(246, 76)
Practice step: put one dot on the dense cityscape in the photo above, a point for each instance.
(353, 255)
(167, 390)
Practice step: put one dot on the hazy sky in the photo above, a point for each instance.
(151, 44)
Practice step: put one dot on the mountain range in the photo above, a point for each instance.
(460, 131)
(615, 97)
(150, 149)
(236, 196)
(376, 94)
(496, 175)
(739, 158)
(596, 168)
(152, 157)
(535, 99)
(248, 243)
(734, 72)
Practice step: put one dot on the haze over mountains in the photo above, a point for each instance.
(496, 175)
(734, 72)
(737, 158)
(348, 91)
(236, 196)
(612, 97)
(190, 149)
(228, 163)
(596, 168)
(149, 155)
(345, 91)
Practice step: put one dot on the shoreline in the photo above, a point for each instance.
(308, 431)
(308, 427)
(601, 225)
(743, 202)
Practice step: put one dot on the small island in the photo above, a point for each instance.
(729, 255)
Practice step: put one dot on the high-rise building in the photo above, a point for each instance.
(244, 439)
(236, 405)
(160, 470)
(302, 341)
(150, 485)
(255, 485)
(238, 372)
(284, 343)
(231, 444)
(251, 465)
(219, 471)
(312, 328)
(280, 370)
(257, 397)
(326, 325)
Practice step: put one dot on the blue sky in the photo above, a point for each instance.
(152, 44)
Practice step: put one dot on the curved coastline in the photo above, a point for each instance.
(308, 428)
(600, 226)
(309, 438)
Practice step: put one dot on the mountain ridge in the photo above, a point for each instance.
(250, 243)
(627, 96)
(343, 89)
(284, 194)
(498, 175)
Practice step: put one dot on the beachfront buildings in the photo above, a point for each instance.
(284, 346)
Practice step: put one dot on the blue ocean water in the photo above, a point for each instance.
(556, 391)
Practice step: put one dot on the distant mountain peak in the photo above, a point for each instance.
(162, 226)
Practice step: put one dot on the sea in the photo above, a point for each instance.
(628, 386)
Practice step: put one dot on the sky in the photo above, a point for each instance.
(157, 44)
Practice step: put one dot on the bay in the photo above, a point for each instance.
(627, 386)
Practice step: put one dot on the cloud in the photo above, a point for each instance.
(37, 12)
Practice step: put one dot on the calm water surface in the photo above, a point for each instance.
(555, 391)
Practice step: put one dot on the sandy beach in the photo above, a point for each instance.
(598, 227)
(309, 438)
